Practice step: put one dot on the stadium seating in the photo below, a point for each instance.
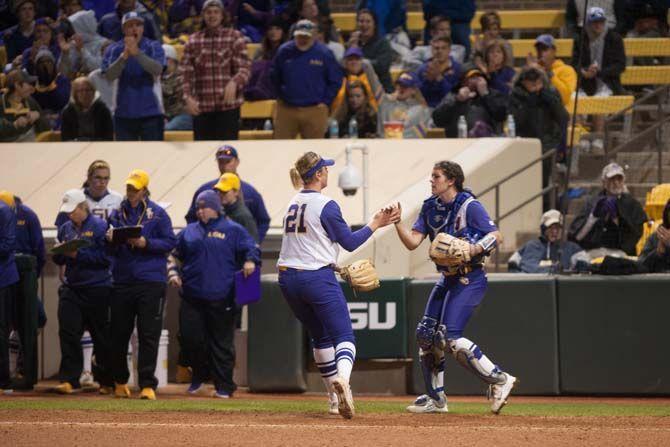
(656, 200)
(657, 75)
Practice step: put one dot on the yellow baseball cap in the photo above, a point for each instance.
(227, 182)
(7, 197)
(138, 179)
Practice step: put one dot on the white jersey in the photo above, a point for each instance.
(103, 208)
(305, 244)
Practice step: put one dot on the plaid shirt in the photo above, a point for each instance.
(210, 60)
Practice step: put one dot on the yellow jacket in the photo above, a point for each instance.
(564, 79)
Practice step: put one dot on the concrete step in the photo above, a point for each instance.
(626, 159)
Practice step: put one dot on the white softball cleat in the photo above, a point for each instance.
(333, 408)
(344, 398)
(500, 392)
(426, 404)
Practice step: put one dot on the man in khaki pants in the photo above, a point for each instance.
(307, 78)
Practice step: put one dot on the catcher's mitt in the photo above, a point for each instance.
(447, 250)
(361, 275)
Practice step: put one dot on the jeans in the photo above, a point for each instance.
(149, 128)
(183, 121)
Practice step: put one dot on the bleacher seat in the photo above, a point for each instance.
(640, 75)
(655, 203)
(49, 135)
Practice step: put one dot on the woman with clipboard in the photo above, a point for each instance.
(140, 277)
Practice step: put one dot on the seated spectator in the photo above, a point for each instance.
(69, 7)
(358, 69)
(495, 65)
(375, 48)
(110, 26)
(562, 76)
(20, 37)
(215, 68)
(82, 53)
(440, 74)
(20, 115)
(86, 118)
(260, 84)
(44, 38)
(137, 63)
(460, 12)
(252, 18)
(307, 78)
(176, 117)
(614, 10)
(439, 26)
(184, 17)
(548, 253)
(52, 91)
(229, 189)
(323, 35)
(357, 106)
(491, 26)
(611, 219)
(655, 255)
(311, 10)
(647, 24)
(405, 106)
(484, 109)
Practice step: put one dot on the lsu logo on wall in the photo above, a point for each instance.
(366, 316)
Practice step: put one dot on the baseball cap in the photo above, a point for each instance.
(226, 152)
(7, 197)
(408, 79)
(473, 72)
(596, 14)
(546, 40)
(138, 179)
(215, 3)
(227, 182)
(130, 16)
(551, 217)
(612, 170)
(304, 28)
(353, 51)
(208, 199)
(170, 52)
(71, 199)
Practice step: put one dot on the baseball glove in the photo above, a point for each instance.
(447, 250)
(361, 275)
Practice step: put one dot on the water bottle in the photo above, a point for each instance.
(353, 127)
(333, 129)
(462, 127)
(267, 125)
(511, 126)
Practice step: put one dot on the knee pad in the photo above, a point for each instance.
(425, 333)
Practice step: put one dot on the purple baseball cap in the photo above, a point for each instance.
(596, 14)
(408, 79)
(546, 40)
(226, 152)
(353, 52)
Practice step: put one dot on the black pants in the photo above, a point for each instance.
(81, 308)
(207, 332)
(144, 301)
(217, 125)
(6, 297)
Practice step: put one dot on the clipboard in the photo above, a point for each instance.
(121, 235)
(71, 245)
(248, 290)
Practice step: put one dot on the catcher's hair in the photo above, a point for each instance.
(306, 162)
(452, 171)
(97, 164)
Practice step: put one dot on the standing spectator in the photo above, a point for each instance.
(562, 76)
(460, 12)
(111, 24)
(611, 219)
(136, 63)
(228, 160)
(20, 115)
(210, 252)
(139, 275)
(84, 296)
(52, 91)
(491, 25)
(306, 77)
(228, 188)
(484, 109)
(104, 87)
(655, 255)
(43, 39)
(358, 105)
(614, 11)
(495, 65)
(82, 53)
(390, 14)
(215, 69)
(548, 253)
(439, 26)
(176, 117)
(86, 118)
(375, 47)
(406, 106)
(20, 37)
(9, 275)
(260, 84)
(440, 74)
(358, 69)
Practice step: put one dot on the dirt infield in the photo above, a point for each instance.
(19, 427)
